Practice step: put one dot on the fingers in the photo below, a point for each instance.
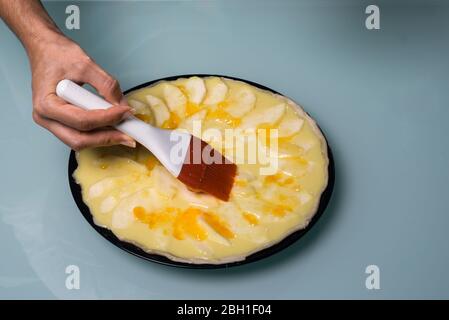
(79, 140)
(57, 109)
(106, 85)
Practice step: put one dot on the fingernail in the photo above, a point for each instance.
(129, 143)
(127, 114)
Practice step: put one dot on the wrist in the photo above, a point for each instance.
(39, 38)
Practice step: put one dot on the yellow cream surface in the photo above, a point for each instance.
(129, 192)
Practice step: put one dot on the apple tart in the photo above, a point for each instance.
(282, 171)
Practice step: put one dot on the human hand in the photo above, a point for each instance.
(59, 58)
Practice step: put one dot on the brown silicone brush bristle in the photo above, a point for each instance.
(207, 170)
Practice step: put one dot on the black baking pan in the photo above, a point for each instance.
(128, 247)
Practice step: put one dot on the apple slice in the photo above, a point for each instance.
(160, 110)
(200, 200)
(99, 188)
(268, 116)
(196, 90)
(108, 204)
(216, 91)
(122, 214)
(175, 99)
(241, 102)
(139, 107)
(304, 197)
(289, 126)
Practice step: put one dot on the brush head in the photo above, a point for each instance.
(207, 170)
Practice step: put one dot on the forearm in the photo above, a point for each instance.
(29, 21)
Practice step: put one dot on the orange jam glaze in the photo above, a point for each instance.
(184, 223)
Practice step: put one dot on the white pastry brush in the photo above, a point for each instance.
(191, 160)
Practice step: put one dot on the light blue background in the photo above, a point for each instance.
(380, 96)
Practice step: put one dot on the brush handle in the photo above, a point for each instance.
(80, 97)
(156, 140)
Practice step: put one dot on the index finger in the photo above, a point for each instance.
(104, 83)
(72, 116)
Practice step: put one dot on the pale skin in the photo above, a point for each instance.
(54, 57)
